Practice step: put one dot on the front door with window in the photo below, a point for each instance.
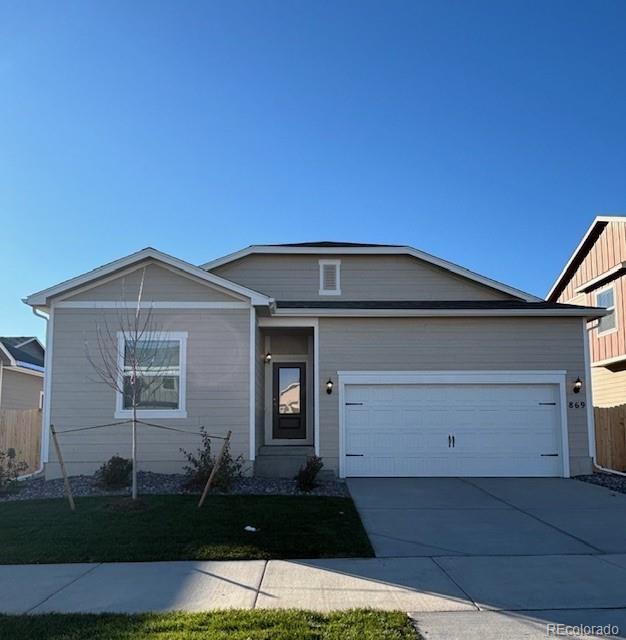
(289, 401)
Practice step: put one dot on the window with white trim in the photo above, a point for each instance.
(157, 364)
(606, 299)
(330, 277)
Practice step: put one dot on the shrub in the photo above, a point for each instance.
(115, 473)
(10, 469)
(305, 479)
(201, 464)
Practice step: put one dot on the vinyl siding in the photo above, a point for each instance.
(296, 277)
(217, 389)
(160, 284)
(20, 390)
(435, 344)
(259, 414)
(609, 387)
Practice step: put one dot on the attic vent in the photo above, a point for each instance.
(330, 277)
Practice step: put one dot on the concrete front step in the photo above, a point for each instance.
(281, 461)
(286, 450)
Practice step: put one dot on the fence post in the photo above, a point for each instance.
(66, 482)
(214, 470)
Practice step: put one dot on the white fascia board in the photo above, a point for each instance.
(153, 304)
(416, 253)
(608, 361)
(4, 350)
(27, 370)
(41, 297)
(598, 280)
(436, 313)
(596, 220)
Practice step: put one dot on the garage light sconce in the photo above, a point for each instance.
(329, 386)
(578, 385)
(268, 357)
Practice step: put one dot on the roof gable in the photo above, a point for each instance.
(117, 267)
(23, 350)
(347, 249)
(584, 246)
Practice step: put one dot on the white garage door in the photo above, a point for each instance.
(452, 430)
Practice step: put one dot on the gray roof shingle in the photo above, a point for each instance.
(24, 349)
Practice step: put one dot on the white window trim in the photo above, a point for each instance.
(181, 412)
(337, 290)
(613, 308)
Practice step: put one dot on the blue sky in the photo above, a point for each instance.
(488, 133)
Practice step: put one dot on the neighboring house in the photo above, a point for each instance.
(595, 275)
(21, 373)
(403, 364)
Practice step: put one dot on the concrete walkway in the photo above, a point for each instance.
(419, 585)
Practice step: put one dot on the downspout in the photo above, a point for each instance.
(591, 423)
(43, 412)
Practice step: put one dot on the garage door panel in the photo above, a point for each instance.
(498, 429)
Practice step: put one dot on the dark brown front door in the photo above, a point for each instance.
(289, 398)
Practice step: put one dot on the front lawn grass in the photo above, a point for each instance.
(218, 625)
(173, 528)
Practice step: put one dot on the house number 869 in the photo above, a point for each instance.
(577, 405)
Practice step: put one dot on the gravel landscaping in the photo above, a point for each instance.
(163, 484)
(608, 480)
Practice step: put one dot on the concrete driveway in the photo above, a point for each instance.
(444, 517)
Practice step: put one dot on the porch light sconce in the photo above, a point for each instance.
(578, 385)
(268, 357)
(329, 386)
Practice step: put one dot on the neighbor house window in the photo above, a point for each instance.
(330, 277)
(606, 299)
(152, 372)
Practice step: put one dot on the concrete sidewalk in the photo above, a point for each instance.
(419, 585)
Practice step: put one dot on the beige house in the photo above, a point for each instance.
(383, 360)
(595, 275)
(21, 373)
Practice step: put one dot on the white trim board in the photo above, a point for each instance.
(557, 377)
(28, 372)
(160, 304)
(287, 322)
(41, 297)
(608, 361)
(612, 273)
(452, 377)
(591, 423)
(47, 386)
(405, 250)
(252, 385)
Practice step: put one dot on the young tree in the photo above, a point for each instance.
(134, 359)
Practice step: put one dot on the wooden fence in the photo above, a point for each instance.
(611, 437)
(20, 429)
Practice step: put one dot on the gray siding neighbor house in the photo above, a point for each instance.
(21, 373)
(381, 359)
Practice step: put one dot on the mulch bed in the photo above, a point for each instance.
(608, 480)
(162, 484)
